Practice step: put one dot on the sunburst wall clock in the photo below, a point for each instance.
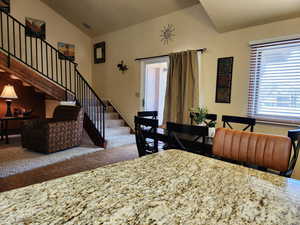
(167, 34)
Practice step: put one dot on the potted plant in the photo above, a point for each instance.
(211, 128)
(198, 115)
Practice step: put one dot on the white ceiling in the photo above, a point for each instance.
(235, 14)
(105, 16)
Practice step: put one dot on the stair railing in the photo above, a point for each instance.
(28, 47)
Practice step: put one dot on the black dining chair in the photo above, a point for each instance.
(146, 135)
(294, 135)
(150, 114)
(249, 122)
(186, 137)
(209, 118)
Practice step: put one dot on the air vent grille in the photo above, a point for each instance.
(87, 26)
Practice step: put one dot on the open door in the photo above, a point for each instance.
(153, 85)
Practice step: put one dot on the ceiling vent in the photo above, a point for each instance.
(85, 25)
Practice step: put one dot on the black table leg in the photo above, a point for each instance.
(6, 131)
(2, 130)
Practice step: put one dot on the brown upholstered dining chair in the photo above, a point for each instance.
(61, 132)
(262, 150)
(249, 122)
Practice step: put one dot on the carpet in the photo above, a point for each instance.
(68, 167)
(14, 159)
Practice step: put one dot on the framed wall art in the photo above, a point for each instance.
(99, 53)
(67, 51)
(5, 6)
(35, 28)
(224, 80)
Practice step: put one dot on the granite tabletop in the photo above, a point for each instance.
(170, 188)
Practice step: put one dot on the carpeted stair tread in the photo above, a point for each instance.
(120, 140)
(111, 115)
(117, 131)
(114, 123)
(110, 109)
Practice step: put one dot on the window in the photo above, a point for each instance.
(274, 89)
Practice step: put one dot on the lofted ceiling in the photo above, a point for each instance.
(235, 14)
(105, 16)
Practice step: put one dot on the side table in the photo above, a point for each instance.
(4, 125)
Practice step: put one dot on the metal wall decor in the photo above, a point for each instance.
(224, 80)
(167, 34)
(122, 67)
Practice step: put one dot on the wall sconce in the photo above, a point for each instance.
(122, 67)
(9, 94)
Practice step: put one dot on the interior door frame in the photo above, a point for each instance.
(142, 76)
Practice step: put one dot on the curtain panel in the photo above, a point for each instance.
(182, 87)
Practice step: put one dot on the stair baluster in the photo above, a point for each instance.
(19, 42)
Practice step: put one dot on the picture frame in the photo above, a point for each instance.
(99, 53)
(224, 80)
(5, 6)
(35, 28)
(66, 51)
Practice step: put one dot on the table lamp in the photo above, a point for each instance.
(8, 94)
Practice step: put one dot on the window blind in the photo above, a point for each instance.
(274, 87)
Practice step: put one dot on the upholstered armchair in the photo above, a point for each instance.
(61, 132)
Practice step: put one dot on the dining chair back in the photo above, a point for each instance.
(186, 137)
(262, 150)
(209, 118)
(146, 135)
(294, 135)
(150, 114)
(249, 122)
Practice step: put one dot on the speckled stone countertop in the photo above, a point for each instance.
(170, 188)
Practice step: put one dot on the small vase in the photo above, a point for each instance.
(211, 132)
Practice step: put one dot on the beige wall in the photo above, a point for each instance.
(57, 30)
(193, 30)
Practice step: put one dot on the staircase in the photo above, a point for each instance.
(49, 70)
(118, 133)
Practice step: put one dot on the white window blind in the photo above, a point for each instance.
(274, 89)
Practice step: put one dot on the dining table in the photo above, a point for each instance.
(171, 187)
(201, 146)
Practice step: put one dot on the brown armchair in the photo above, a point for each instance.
(61, 132)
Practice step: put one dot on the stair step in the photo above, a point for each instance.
(120, 140)
(110, 132)
(111, 115)
(114, 123)
(110, 109)
(106, 102)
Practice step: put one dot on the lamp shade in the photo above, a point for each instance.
(9, 92)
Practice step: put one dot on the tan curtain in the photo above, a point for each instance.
(182, 87)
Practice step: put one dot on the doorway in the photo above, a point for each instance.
(154, 84)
